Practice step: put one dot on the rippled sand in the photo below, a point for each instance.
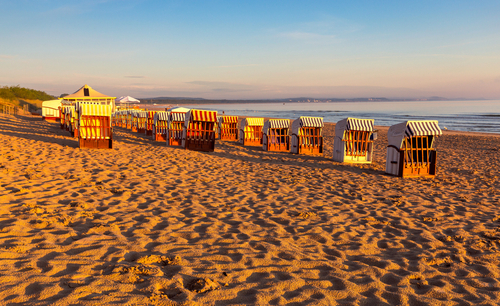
(148, 224)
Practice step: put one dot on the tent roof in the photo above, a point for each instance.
(86, 92)
(127, 99)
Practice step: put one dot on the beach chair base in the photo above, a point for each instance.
(96, 143)
(142, 131)
(74, 133)
(175, 142)
(200, 145)
(229, 137)
(278, 147)
(311, 150)
(252, 142)
(149, 132)
(134, 129)
(160, 137)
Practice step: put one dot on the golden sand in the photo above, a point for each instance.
(148, 224)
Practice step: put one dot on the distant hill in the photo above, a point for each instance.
(20, 96)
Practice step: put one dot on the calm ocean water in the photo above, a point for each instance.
(477, 116)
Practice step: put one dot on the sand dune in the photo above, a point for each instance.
(148, 224)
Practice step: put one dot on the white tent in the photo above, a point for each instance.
(50, 109)
(127, 99)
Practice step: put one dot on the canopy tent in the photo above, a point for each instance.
(87, 93)
(127, 99)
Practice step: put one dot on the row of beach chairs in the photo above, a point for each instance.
(410, 151)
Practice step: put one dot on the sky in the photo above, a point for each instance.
(253, 49)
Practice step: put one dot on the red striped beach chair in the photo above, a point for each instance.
(353, 141)
(251, 131)
(95, 129)
(130, 113)
(150, 123)
(307, 136)
(228, 128)
(199, 130)
(276, 135)
(160, 126)
(410, 152)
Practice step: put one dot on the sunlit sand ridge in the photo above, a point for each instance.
(149, 224)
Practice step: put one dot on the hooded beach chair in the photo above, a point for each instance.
(160, 126)
(176, 121)
(150, 123)
(130, 114)
(251, 131)
(142, 118)
(353, 141)
(276, 135)
(307, 135)
(94, 126)
(228, 128)
(410, 151)
(199, 130)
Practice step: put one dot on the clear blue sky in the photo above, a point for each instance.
(253, 49)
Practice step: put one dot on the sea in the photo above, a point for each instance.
(471, 116)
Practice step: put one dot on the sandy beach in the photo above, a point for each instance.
(146, 224)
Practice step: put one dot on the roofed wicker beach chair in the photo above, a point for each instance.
(199, 130)
(276, 135)
(228, 128)
(251, 131)
(160, 126)
(353, 141)
(410, 152)
(150, 122)
(94, 126)
(307, 135)
(176, 121)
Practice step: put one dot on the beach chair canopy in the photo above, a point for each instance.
(178, 117)
(412, 128)
(201, 115)
(95, 110)
(228, 119)
(141, 114)
(162, 115)
(353, 124)
(252, 122)
(306, 122)
(276, 124)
